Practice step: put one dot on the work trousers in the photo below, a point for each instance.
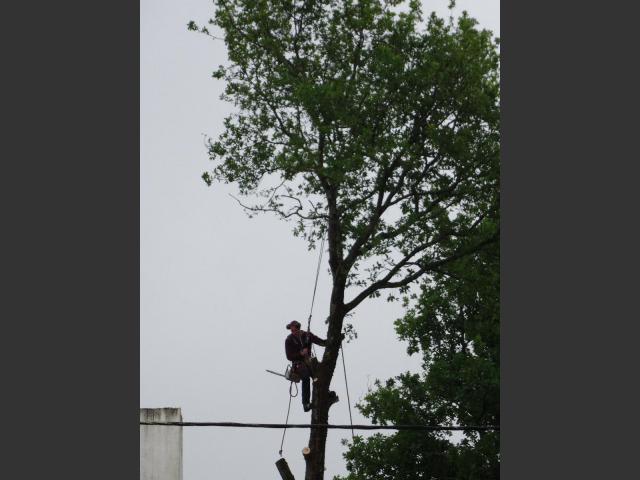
(305, 379)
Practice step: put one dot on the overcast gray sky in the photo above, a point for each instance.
(218, 288)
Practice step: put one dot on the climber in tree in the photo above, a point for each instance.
(298, 349)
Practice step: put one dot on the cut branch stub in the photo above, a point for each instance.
(306, 453)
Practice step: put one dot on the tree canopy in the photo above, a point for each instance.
(455, 327)
(390, 119)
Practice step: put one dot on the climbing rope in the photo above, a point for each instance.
(344, 367)
(291, 395)
(346, 385)
(313, 298)
(315, 286)
(287, 419)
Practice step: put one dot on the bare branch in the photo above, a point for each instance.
(295, 211)
(386, 282)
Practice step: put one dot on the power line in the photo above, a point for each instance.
(432, 428)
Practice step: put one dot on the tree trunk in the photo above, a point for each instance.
(320, 398)
(318, 436)
(320, 395)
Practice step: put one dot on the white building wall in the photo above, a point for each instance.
(160, 446)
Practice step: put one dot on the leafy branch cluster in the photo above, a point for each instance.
(375, 127)
(455, 327)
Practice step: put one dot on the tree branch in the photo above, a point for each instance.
(294, 212)
(385, 283)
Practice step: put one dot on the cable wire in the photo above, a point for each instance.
(431, 428)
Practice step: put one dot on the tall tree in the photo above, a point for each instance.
(367, 124)
(455, 326)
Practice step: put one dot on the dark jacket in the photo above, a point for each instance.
(293, 345)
